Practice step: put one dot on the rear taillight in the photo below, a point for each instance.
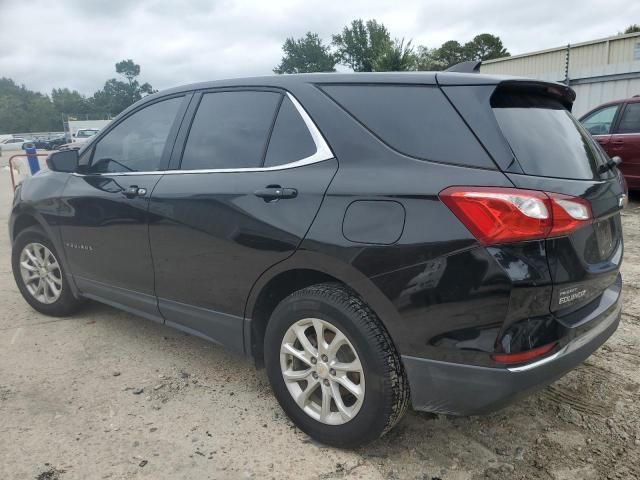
(504, 215)
(522, 357)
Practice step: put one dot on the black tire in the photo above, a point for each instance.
(386, 396)
(66, 304)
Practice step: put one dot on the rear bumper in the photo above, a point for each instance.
(458, 389)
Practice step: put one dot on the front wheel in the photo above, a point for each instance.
(333, 366)
(39, 274)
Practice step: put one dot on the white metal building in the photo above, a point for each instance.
(599, 70)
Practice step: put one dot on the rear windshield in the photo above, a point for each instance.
(545, 138)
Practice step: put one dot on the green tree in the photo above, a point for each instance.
(68, 101)
(361, 44)
(484, 47)
(23, 110)
(632, 29)
(450, 53)
(398, 57)
(427, 60)
(117, 95)
(305, 55)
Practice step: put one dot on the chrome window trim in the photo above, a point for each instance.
(323, 152)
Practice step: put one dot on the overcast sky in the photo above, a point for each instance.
(75, 43)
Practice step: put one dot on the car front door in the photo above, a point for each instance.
(251, 179)
(104, 223)
(600, 124)
(625, 143)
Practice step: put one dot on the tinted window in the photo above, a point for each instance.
(290, 140)
(136, 144)
(630, 121)
(545, 138)
(600, 122)
(416, 121)
(230, 130)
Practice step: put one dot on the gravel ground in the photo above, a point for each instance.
(108, 395)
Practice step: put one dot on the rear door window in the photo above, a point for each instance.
(417, 121)
(630, 121)
(230, 130)
(545, 138)
(290, 139)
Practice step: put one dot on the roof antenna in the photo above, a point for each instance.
(472, 66)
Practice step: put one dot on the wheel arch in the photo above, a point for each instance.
(23, 218)
(22, 221)
(299, 271)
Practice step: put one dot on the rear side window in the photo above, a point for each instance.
(230, 130)
(290, 140)
(630, 121)
(417, 121)
(545, 138)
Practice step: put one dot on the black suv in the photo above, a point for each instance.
(452, 240)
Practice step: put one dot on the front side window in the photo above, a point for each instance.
(630, 121)
(230, 130)
(600, 122)
(137, 143)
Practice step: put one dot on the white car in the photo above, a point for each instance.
(84, 134)
(81, 136)
(11, 144)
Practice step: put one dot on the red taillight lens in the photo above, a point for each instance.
(504, 215)
(522, 357)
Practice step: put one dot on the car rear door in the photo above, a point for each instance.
(625, 143)
(244, 191)
(104, 224)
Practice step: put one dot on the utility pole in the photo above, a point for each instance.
(566, 65)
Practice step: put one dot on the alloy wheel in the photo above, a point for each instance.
(41, 273)
(322, 371)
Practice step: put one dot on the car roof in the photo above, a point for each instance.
(289, 80)
(634, 99)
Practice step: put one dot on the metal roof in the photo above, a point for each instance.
(563, 47)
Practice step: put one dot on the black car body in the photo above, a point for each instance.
(354, 180)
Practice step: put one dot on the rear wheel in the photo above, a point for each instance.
(39, 274)
(333, 367)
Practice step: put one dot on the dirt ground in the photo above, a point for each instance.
(107, 395)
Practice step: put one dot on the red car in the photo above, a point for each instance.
(616, 126)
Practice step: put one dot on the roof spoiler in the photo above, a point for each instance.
(472, 66)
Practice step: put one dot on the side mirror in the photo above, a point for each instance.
(63, 161)
(617, 160)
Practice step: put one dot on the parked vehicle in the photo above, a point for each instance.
(616, 126)
(84, 134)
(11, 144)
(79, 138)
(50, 143)
(451, 240)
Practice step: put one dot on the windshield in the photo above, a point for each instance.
(545, 138)
(86, 133)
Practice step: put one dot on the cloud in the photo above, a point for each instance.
(76, 43)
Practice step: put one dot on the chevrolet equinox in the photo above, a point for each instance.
(447, 240)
